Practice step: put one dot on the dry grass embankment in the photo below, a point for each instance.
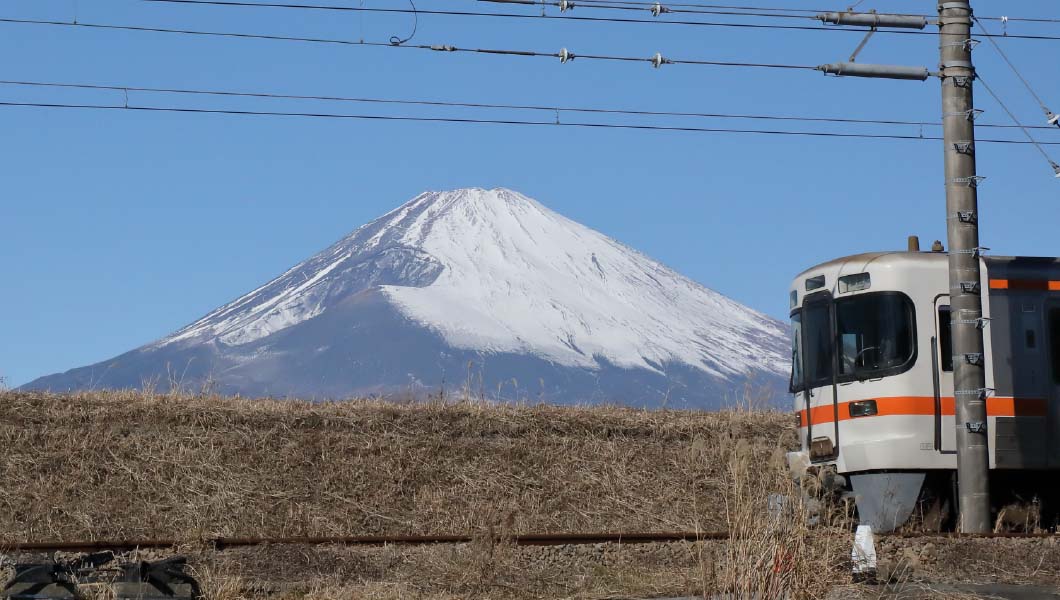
(124, 465)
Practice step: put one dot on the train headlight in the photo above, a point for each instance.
(815, 283)
(854, 283)
(862, 408)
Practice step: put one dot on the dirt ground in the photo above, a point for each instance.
(134, 466)
(916, 568)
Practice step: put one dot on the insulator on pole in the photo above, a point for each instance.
(873, 20)
(849, 69)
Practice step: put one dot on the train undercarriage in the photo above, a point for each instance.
(1023, 501)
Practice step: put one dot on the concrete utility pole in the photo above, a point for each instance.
(962, 228)
(966, 302)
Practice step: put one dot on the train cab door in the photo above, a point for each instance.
(818, 347)
(942, 370)
(1052, 437)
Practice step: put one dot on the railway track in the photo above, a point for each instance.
(529, 539)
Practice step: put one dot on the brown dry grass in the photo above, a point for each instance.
(477, 570)
(133, 466)
(128, 465)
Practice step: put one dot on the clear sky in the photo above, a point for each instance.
(119, 227)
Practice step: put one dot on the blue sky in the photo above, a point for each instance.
(120, 227)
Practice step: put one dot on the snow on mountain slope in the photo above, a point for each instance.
(483, 289)
(495, 271)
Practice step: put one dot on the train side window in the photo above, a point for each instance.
(1030, 322)
(1054, 342)
(945, 340)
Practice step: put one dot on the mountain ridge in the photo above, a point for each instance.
(487, 276)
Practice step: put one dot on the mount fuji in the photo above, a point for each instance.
(471, 288)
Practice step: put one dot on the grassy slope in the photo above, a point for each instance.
(127, 465)
(124, 465)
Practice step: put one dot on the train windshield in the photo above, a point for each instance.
(875, 335)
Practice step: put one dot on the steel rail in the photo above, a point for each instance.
(957, 534)
(528, 539)
(221, 543)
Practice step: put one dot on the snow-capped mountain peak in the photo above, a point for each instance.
(463, 285)
(495, 271)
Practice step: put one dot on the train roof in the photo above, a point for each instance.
(1009, 266)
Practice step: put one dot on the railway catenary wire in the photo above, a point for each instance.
(527, 539)
(626, 126)
(468, 13)
(662, 9)
(728, 10)
(770, 9)
(709, 9)
(562, 55)
(685, 5)
(550, 109)
(1052, 163)
(1015, 70)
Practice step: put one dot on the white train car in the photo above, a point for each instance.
(872, 378)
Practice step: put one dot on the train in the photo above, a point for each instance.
(872, 383)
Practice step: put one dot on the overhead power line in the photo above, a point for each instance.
(627, 126)
(482, 105)
(1052, 118)
(1052, 163)
(660, 9)
(469, 13)
(563, 55)
(765, 9)
(648, 5)
(465, 13)
(810, 11)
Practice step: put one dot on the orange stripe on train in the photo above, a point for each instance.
(1025, 285)
(925, 406)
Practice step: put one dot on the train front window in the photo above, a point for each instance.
(817, 343)
(875, 334)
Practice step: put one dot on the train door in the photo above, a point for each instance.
(1052, 438)
(1019, 352)
(942, 367)
(819, 384)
